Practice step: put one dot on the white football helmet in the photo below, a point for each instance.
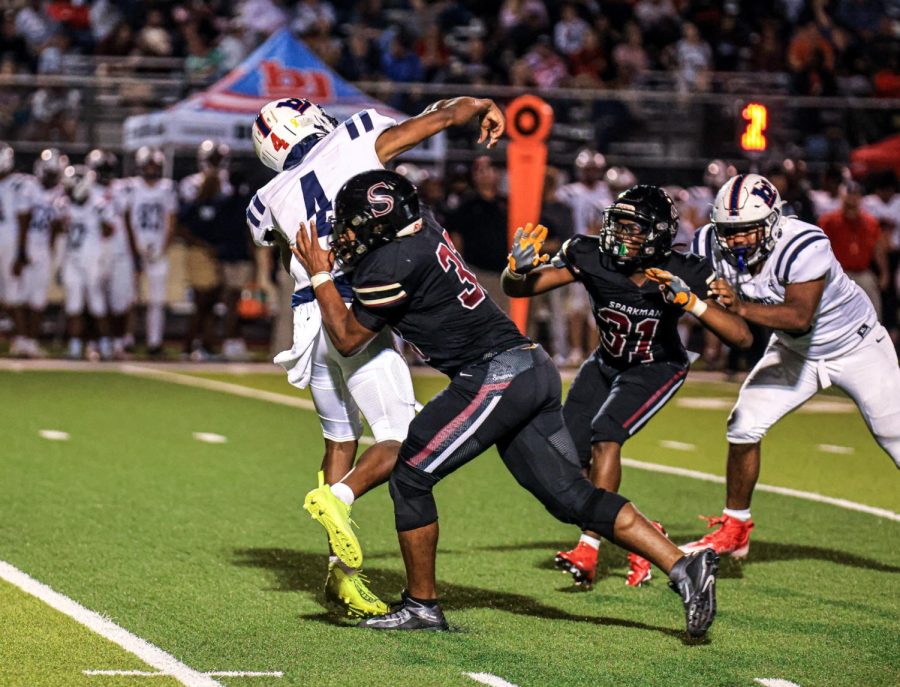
(717, 172)
(746, 202)
(49, 166)
(150, 161)
(619, 179)
(7, 158)
(78, 180)
(285, 130)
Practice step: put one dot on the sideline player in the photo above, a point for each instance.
(638, 288)
(38, 228)
(779, 272)
(10, 189)
(85, 219)
(504, 391)
(119, 279)
(314, 156)
(150, 220)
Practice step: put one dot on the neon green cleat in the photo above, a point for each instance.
(334, 516)
(349, 591)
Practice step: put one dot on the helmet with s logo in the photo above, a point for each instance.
(371, 210)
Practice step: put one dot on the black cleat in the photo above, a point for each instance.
(409, 615)
(693, 578)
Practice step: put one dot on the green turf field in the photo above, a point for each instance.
(202, 550)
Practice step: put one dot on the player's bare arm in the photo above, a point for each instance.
(438, 116)
(528, 273)
(728, 326)
(346, 333)
(794, 315)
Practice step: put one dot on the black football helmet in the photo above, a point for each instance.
(638, 228)
(371, 210)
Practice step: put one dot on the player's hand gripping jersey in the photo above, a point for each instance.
(637, 325)
(303, 193)
(421, 287)
(801, 252)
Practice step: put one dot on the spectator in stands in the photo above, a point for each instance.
(589, 65)
(433, 53)
(313, 17)
(767, 52)
(884, 205)
(262, 17)
(154, 39)
(548, 70)
(631, 57)
(858, 243)
(34, 26)
(571, 31)
(104, 17)
(359, 60)
(478, 228)
(828, 197)
(692, 60)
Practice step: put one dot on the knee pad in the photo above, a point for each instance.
(414, 504)
(600, 511)
(742, 429)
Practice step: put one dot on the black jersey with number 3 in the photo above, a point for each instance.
(636, 323)
(420, 286)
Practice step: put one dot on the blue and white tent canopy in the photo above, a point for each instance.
(281, 67)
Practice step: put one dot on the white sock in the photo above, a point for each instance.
(742, 515)
(343, 492)
(593, 542)
(155, 324)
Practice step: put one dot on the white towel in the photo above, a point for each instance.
(297, 362)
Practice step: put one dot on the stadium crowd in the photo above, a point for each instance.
(826, 46)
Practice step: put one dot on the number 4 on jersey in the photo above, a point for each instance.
(472, 294)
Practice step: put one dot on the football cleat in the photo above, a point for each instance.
(693, 578)
(733, 537)
(409, 615)
(348, 590)
(639, 567)
(334, 515)
(580, 562)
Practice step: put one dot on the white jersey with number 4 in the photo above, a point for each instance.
(802, 253)
(305, 192)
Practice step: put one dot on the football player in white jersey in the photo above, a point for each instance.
(150, 219)
(38, 227)
(85, 216)
(119, 281)
(314, 156)
(10, 200)
(780, 272)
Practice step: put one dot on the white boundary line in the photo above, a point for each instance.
(144, 650)
(784, 491)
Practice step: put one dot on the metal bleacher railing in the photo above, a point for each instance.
(653, 125)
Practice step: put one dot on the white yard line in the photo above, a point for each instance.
(784, 491)
(144, 650)
(210, 437)
(832, 448)
(53, 435)
(488, 679)
(214, 673)
(677, 445)
(774, 682)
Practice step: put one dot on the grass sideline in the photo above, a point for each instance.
(202, 550)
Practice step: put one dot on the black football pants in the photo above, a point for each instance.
(511, 401)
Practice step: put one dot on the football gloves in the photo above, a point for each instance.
(676, 291)
(526, 248)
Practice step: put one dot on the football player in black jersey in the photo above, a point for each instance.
(504, 391)
(639, 288)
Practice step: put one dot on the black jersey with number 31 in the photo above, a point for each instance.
(636, 323)
(420, 286)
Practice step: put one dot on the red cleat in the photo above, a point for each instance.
(581, 562)
(638, 566)
(733, 537)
